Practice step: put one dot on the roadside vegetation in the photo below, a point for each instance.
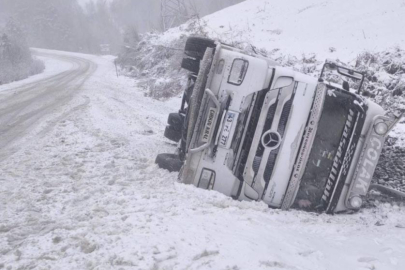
(16, 61)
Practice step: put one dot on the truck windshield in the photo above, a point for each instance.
(332, 127)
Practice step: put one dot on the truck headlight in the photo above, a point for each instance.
(356, 202)
(207, 179)
(381, 128)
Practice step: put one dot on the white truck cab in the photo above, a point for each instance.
(254, 130)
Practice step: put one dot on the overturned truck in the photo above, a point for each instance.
(254, 130)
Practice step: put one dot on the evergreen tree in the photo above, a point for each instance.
(16, 61)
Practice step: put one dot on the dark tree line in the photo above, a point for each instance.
(64, 24)
(16, 62)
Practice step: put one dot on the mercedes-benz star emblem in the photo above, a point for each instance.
(271, 139)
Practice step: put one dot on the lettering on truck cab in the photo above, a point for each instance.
(369, 163)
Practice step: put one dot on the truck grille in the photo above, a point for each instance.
(284, 97)
(284, 117)
(270, 166)
(281, 129)
(260, 148)
(271, 161)
(251, 129)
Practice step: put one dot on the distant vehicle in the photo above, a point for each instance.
(254, 130)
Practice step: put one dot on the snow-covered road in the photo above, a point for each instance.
(23, 106)
(79, 190)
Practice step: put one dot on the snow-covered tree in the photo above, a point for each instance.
(16, 61)
(63, 25)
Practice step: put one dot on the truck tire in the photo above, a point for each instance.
(170, 162)
(173, 134)
(198, 93)
(191, 65)
(196, 46)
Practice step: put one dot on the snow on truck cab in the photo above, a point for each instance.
(254, 130)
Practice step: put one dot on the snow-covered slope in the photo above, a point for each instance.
(330, 29)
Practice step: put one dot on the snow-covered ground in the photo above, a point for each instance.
(86, 194)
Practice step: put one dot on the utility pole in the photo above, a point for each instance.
(173, 13)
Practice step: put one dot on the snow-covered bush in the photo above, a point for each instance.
(156, 65)
(16, 62)
(385, 80)
(156, 62)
